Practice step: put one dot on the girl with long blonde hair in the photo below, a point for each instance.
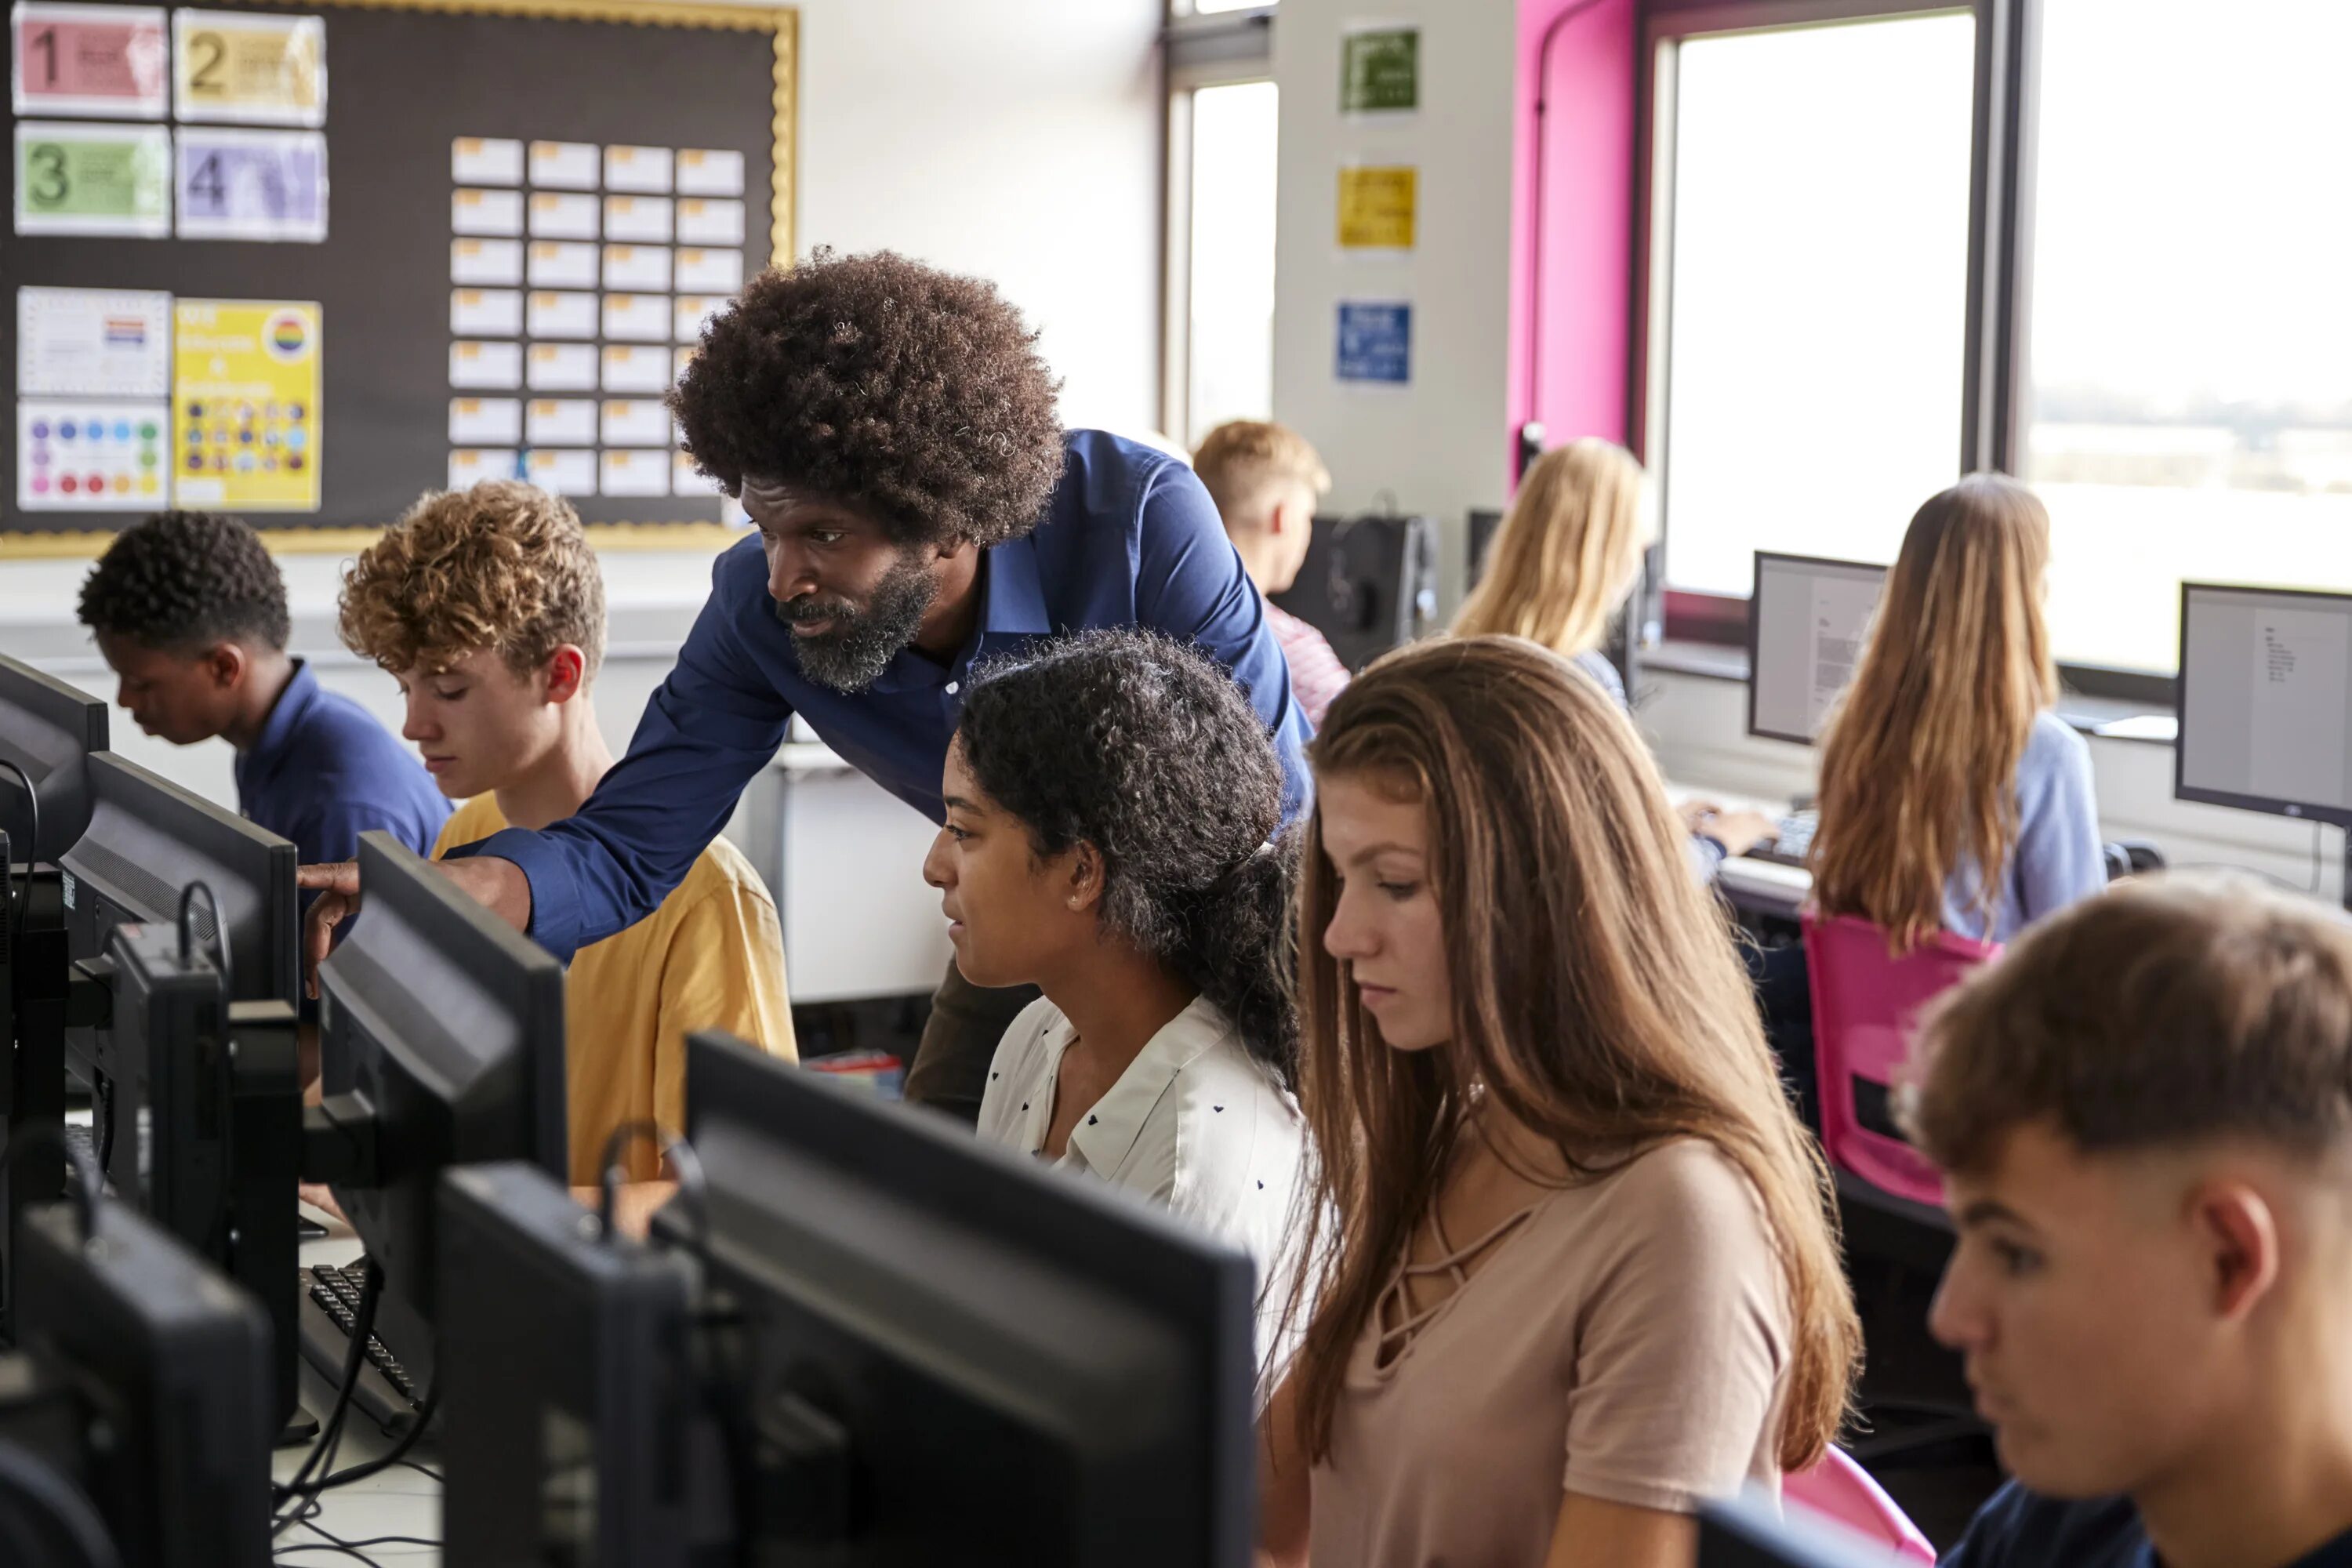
(1567, 554)
(1557, 572)
(1569, 1255)
(1951, 797)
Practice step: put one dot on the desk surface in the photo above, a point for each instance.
(398, 1501)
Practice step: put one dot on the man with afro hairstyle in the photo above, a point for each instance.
(190, 613)
(892, 431)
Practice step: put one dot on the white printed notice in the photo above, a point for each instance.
(486, 212)
(470, 466)
(252, 184)
(707, 171)
(486, 419)
(495, 367)
(2300, 684)
(630, 368)
(563, 367)
(93, 343)
(486, 262)
(562, 471)
(485, 160)
(564, 264)
(1838, 621)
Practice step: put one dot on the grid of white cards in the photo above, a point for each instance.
(579, 279)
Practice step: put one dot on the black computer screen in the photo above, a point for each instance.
(47, 729)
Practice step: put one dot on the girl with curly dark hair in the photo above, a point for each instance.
(1111, 803)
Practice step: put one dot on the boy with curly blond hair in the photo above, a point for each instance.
(487, 607)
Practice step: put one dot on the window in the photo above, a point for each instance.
(2190, 404)
(1809, 258)
(1229, 319)
(1221, 145)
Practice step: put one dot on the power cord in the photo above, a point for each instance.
(322, 1453)
(398, 1455)
(220, 935)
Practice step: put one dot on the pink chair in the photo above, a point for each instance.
(1841, 1491)
(1865, 1007)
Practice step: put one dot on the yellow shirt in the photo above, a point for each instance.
(712, 957)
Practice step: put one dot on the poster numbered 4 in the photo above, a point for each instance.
(103, 60)
(252, 184)
(93, 179)
(239, 68)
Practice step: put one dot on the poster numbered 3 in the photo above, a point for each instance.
(238, 68)
(103, 60)
(93, 179)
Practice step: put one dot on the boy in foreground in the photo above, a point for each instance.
(2144, 1111)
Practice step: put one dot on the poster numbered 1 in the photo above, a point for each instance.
(101, 60)
(239, 68)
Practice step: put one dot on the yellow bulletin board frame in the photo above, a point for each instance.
(782, 23)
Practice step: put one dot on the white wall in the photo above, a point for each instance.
(1020, 140)
(1440, 445)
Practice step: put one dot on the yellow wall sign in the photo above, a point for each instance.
(249, 68)
(245, 405)
(1376, 207)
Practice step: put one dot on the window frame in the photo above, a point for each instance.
(1225, 49)
(1998, 309)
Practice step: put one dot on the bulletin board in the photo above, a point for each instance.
(402, 245)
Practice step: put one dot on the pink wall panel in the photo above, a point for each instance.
(1572, 213)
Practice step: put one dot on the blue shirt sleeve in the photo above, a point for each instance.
(707, 732)
(2059, 857)
(1189, 583)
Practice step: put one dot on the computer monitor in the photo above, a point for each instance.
(441, 1044)
(1808, 622)
(2265, 702)
(160, 1419)
(1368, 584)
(148, 839)
(48, 729)
(1756, 1532)
(941, 1352)
(201, 1118)
(574, 1431)
(145, 841)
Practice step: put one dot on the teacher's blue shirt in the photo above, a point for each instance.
(1129, 538)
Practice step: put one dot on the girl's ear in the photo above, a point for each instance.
(1085, 875)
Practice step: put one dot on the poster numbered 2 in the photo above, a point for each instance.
(237, 67)
(102, 60)
(93, 179)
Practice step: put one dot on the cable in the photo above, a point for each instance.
(333, 1543)
(399, 1452)
(220, 935)
(331, 1435)
(39, 1502)
(693, 1190)
(105, 1087)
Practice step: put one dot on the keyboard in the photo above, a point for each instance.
(1790, 841)
(391, 1392)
